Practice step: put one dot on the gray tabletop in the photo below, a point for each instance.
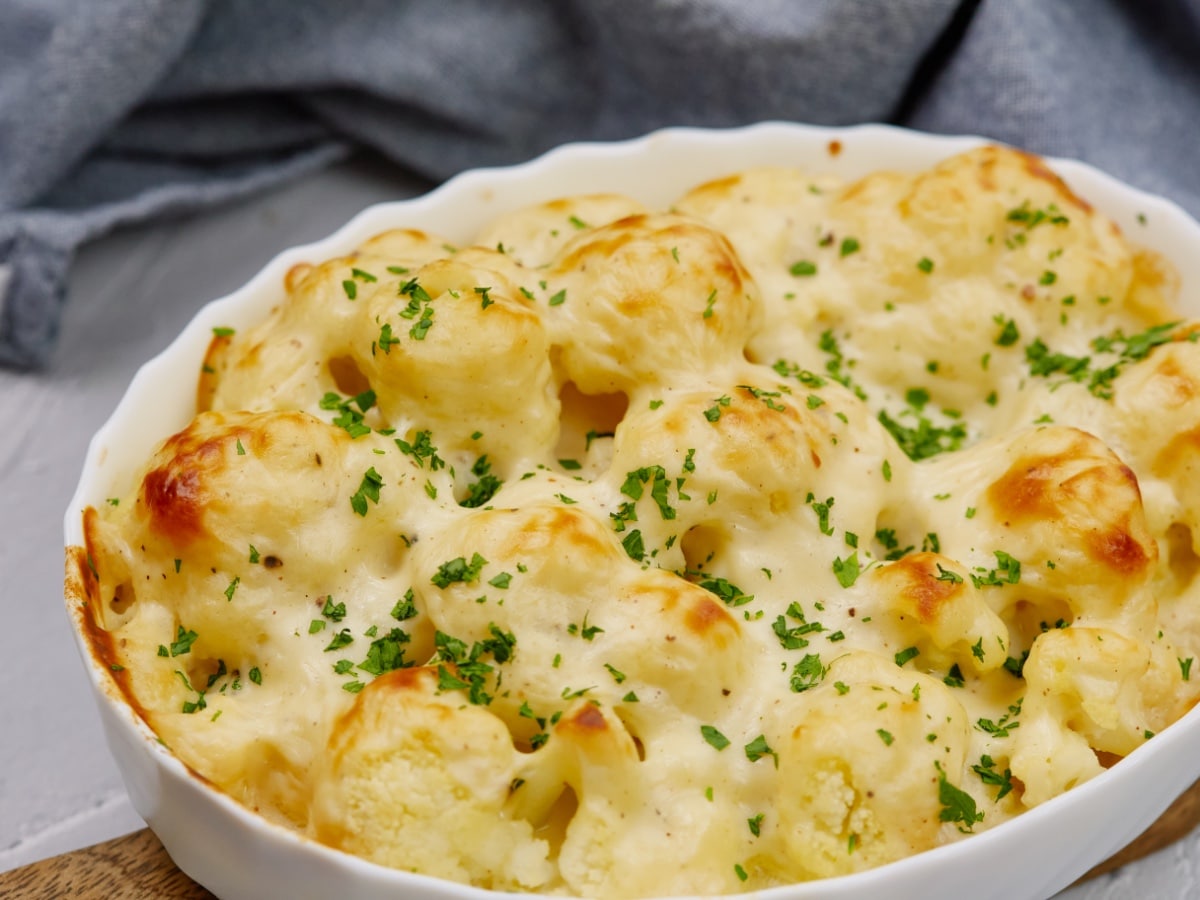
(130, 294)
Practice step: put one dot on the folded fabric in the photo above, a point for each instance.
(130, 109)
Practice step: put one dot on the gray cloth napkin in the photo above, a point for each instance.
(115, 111)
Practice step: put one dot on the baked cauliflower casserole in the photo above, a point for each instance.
(793, 530)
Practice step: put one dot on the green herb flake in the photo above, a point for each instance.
(458, 570)
(334, 612)
(758, 748)
(847, 570)
(184, 638)
(340, 640)
(807, 673)
(908, 653)
(957, 805)
(368, 489)
(988, 774)
(714, 737)
(1009, 334)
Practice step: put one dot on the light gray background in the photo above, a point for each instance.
(130, 294)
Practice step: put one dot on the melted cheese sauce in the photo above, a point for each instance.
(786, 533)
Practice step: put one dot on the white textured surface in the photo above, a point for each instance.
(130, 294)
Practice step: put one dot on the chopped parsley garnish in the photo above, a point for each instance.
(1006, 724)
(767, 397)
(472, 672)
(729, 592)
(887, 537)
(807, 673)
(223, 331)
(758, 748)
(422, 449)
(349, 419)
(986, 770)
(828, 344)
(803, 268)
(387, 653)
(1031, 218)
(405, 608)
(372, 481)
(334, 612)
(804, 376)
(849, 245)
(184, 638)
(342, 639)
(713, 413)
(954, 678)
(232, 589)
(1044, 363)
(1016, 665)
(255, 675)
(924, 439)
(715, 739)
(559, 299)
(948, 575)
(925, 264)
(586, 631)
(794, 638)
(634, 545)
(885, 736)
(418, 308)
(1007, 571)
(1009, 334)
(957, 805)
(458, 570)
(484, 487)
(660, 484)
(906, 654)
(847, 570)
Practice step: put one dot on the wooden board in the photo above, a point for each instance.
(136, 867)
